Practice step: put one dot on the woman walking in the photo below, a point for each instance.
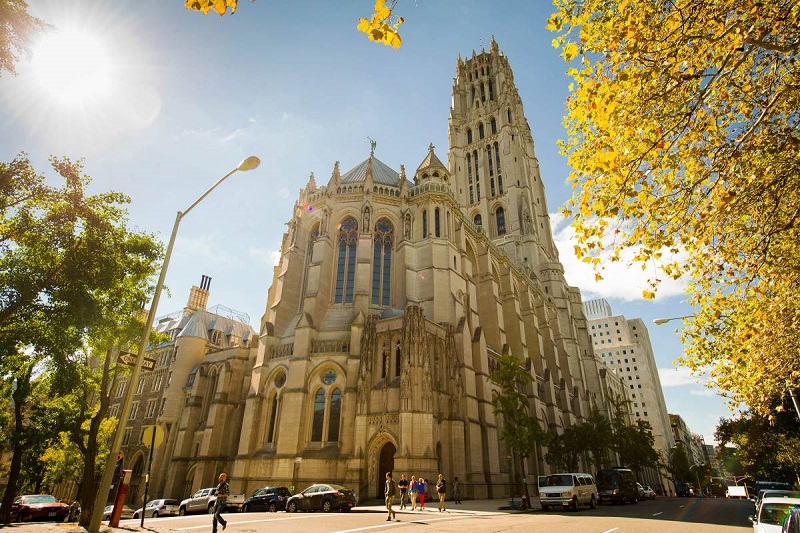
(421, 488)
(412, 492)
(456, 492)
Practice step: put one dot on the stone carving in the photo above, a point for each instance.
(366, 219)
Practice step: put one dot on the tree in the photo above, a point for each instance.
(17, 29)
(564, 451)
(683, 133)
(596, 435)
(520, 431)
(70, 272)
(679, 465)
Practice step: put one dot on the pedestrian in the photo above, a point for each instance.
(441, 491)
(421, 488)
(223, 490)
(389, 491)
(403, 486)
(412, 492)
(456, 492)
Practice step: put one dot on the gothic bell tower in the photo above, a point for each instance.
(496, 176)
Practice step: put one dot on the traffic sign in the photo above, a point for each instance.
(148, 437)
(127, 358)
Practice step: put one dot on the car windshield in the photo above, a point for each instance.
(39, 499)
(337, 487)
(607, 478)
(171, 502)
(775, 513)
(558, 480)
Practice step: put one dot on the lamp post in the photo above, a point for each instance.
(105, 483)
(697, 475)
(659, 321)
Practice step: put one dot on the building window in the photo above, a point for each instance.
(346, 264)
(491, 90)
(334, 416)
(489, 160)
(211, 390)
(493, 124)
(469, 135)
(483, 96)
(113, 411)
(126, 437)
(500, 214)
(140, 385)
(436, 225)
(471, 195)
(319, 416)
(163, 405)
(478, 190)
(151, 409)
(477, 220)
(481, 132)
(158, 379)
(134, 410)
(382, 262)
(273, 417)
(491, 186)
(424, 223)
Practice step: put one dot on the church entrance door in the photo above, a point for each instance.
(385, 464)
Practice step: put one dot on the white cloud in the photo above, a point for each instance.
(702, 392)
(619, 279)
(676, 377)
(264, 256)
(204, 250)
(235, 134)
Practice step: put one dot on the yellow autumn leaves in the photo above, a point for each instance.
(381, 27)
(683, 126)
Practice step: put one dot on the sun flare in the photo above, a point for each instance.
(71, 67)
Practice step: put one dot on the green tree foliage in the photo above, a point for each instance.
(72, 279)
(520, 430)
(17, 30)
(764, 447)
(679, 465)
(564, 451)
(684, 139)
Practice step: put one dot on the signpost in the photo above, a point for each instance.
(127, 358)
(152, 437)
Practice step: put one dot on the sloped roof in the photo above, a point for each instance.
(199, 322)
(431, 162)
(381, 173)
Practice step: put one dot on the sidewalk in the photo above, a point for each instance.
(371, 506)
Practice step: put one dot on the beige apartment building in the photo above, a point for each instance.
(623, 345)
(394, 296)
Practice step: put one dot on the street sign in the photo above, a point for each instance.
(148, 438)
(127, 358)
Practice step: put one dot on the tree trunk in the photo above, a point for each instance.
(524, 482)
(20, 397)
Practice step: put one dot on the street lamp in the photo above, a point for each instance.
(702, 465)
(105, 484)
(659, 321)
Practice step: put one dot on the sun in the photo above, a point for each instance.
(71, 67)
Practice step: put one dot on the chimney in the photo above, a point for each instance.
(198, 296)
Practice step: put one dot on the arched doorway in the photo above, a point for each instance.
(385, 464)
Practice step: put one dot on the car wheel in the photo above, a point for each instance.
(20, 517)
(245, 508)
(181, 511)
(273, 508)
(326, 506)
(573, 505)
(545, 507)
(155, 514)
(291, 507)
(592, 503)
(211, 509)
(107, 517)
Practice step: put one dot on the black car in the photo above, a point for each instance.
(270, 499)
(616, 485)
(322, 497)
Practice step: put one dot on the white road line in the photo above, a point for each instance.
(392, 524)
(661, 512)
(610, 530)
(208, 526)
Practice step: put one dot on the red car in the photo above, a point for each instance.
(38, 507)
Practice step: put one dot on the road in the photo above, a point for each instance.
(665, 515)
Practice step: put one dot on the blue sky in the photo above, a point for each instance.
(188, 96)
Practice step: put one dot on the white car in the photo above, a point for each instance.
(568, 490)
(156, 508)
(649, 493)
(772, 513)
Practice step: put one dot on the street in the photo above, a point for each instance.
(664, 515)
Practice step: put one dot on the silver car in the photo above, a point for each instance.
(156, 508)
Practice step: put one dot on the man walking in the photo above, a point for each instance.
(389, 492)
(441, 491)
(223, 490)
(403, 486)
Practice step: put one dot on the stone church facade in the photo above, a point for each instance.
(394, 296)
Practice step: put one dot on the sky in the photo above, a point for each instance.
(160, 102)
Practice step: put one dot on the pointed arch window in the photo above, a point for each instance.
(493, 125)
(491, 91)
(273, 417)
(436, 223)
(397, 359)
(481, 131)
(382, 262)
(508, 115)
(334, 416)
(211, 390)
(319, 416)
(500, 215)
(477, 220)
(491, 186)
(478, 190)
(469, 168)
(471, 195)
(469, 135)
(497, 156)
(483, 93)
(489, 160)
(424, 224)
(346, 261)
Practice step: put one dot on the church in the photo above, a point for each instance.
(395, 293)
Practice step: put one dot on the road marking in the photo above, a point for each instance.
(610, 530)
(208, 526)
(661, 512)
(392, 524)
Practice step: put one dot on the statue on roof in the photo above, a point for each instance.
(372, 145)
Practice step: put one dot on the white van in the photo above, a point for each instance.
(568, 490)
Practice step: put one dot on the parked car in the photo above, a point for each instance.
(568, 490)
(156, 508)
(683, 490)
(774, 493)
(203, 501)
(772, 513)
(616, 485)
(270, 499)
(649, 493)
(38, 507)
(792, 523)
(127, 512)
(322, 497)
